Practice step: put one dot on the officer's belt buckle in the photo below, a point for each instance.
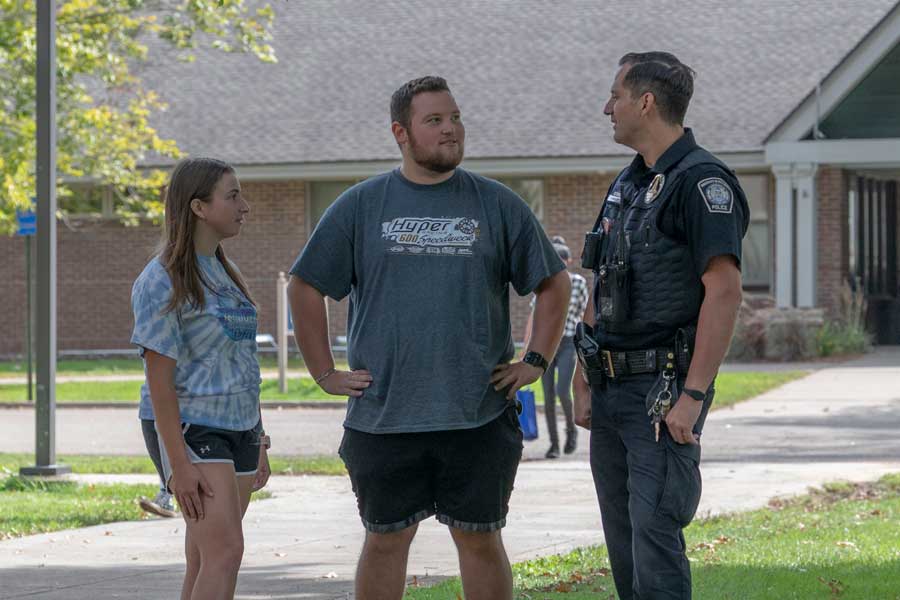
(607, 357)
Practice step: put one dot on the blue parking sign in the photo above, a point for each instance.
(26, 222)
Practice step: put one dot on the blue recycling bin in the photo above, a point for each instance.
(527, 414)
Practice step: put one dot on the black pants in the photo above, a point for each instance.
(563, 365)
(648, 491)
(151, 440)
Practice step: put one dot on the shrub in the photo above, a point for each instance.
(847, 334)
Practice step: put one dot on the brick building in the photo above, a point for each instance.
(820, 168)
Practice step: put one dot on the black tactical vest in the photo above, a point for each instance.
(661, 289)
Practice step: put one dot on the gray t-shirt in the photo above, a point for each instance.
(428, 269)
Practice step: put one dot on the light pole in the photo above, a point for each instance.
(45, 406)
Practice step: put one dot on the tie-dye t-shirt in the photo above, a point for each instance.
(216, 370)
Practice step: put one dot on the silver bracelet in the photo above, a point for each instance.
(325, 375)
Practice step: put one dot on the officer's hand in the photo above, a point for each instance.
(582, 400)
(347, 383)
(681, 420)
(515, 375)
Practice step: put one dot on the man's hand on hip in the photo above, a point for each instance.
(514, 375)
(347, 383)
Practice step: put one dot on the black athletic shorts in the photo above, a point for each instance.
(213, 445)
(464, 476)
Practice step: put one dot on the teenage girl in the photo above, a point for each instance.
(195, 324)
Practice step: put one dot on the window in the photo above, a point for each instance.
(756, 265)
(873, 244)
(530, 190)
(86, 200)
(321, 195)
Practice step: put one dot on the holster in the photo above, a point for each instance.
(588, 352)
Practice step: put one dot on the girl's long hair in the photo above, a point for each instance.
(191, 178)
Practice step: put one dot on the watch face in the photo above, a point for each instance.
(533, 358)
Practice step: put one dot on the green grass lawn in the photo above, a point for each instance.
(114, 392)
(86, 463)
(836, 543)
(121, 366)
(730, 389)
(735, 387)
(30, 506)
(33, 506)
(106, 366)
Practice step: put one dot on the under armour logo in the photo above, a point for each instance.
(204, 449)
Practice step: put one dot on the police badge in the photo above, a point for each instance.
(655, 188)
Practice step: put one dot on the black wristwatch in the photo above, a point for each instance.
(535, 359)
(695, 394)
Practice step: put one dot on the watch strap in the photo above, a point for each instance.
(695, 394)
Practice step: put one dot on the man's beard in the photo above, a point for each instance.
(436, 162)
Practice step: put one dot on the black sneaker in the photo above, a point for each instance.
(553, 452)
(571, 443)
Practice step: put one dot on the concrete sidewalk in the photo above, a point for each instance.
(838, 423)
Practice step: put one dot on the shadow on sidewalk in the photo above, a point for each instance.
(163, 582)
(843, 435)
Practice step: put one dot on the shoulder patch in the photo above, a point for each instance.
(717, 195)
(614, 197)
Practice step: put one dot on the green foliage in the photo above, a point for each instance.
(103, 108)
(837, 337)
(847, 334)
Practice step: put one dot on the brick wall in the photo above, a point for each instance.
(571, 204)
(833, 237)
(98, 262)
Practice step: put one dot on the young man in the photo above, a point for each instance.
(427, 253)
(666, 255)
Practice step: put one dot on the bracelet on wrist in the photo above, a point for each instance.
(325, 375)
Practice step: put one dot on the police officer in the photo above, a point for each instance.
(666, 256)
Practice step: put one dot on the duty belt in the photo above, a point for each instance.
(636, 362)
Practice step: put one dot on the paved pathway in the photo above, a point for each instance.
(838, 423)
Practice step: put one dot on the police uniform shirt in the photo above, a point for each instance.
(707, 211)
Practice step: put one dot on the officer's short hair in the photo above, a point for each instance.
(401, 100)
(669, 80)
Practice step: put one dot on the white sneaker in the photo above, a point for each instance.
(163, 505)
